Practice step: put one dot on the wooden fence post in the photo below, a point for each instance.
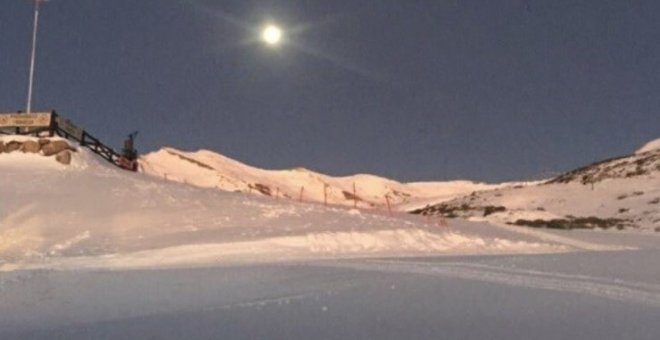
(389, 206)
(354, 196)
(302, 190)
(325, 194)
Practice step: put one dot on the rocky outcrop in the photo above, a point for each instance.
(264, 189)
(638, 164)
(188, 159)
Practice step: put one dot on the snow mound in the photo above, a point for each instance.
(317, 246)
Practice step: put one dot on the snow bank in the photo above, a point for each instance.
(321, 245)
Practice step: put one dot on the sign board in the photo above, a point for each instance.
(40, 119)
(69, 128)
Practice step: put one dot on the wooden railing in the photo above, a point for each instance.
(50, 124)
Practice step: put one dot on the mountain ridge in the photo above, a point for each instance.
(620, 192)
(206, 168)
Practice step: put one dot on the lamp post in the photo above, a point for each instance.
(33, 54)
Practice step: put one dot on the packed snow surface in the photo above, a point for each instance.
(577, 295)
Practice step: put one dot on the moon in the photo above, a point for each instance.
(271, 35)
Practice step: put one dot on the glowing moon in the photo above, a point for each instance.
(272, 35)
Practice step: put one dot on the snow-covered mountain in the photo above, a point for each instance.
(622, 192)
(644, 161)
(212, 170)
(88, 208)
(55, 214)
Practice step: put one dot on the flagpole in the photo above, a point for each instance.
(32, 57)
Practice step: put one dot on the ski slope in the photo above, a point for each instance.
(91, 214)
(587, 295)
(91, 251)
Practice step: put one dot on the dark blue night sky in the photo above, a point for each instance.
(415, 90)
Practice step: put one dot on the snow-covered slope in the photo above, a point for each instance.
(650, 146)
(623, 192)
(643, 162)
(90, 209)
(235, 266)
(59, 215)
(211, 170)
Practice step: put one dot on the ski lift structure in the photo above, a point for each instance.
(50, 124)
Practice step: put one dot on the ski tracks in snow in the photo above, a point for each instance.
(614, 289)
(259, 303)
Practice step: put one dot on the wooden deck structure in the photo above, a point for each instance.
(49, 124)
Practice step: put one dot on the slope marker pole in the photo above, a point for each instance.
(389, 206)
(325, 194)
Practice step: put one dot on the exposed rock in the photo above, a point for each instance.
(448, 210)
(198, 163)
(12, 146)
(264, 189)
(576, 223)
(64, 157)
(621, 167)
(61, 149)
(30, 147)
(491, 209)
(55, 147)
(349, 196)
